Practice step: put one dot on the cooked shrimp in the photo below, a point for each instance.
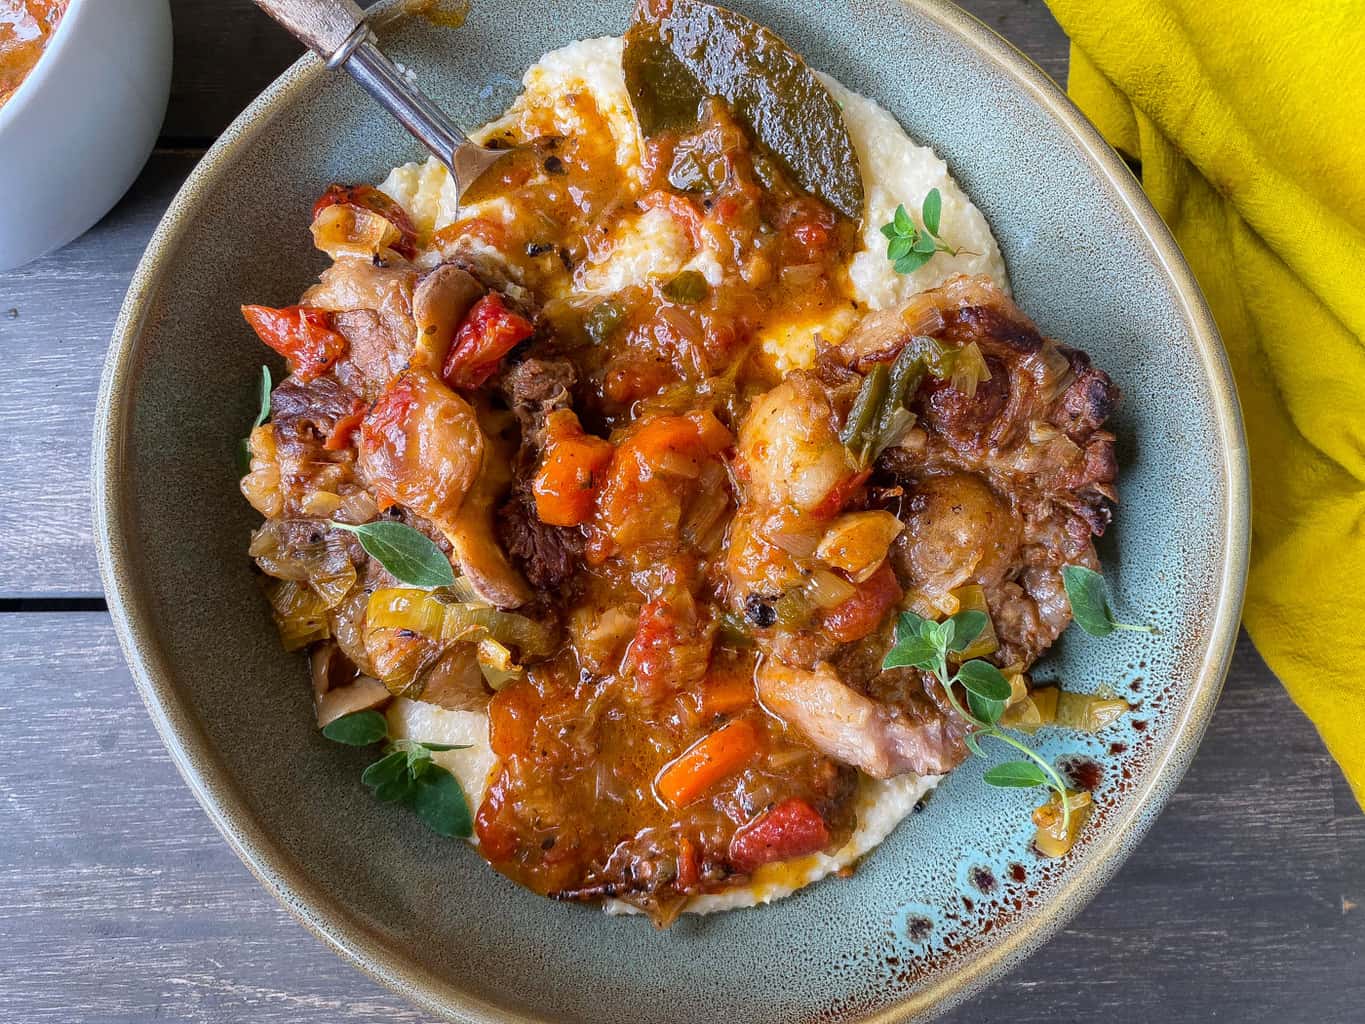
(789, 448)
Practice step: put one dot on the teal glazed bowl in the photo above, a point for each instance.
(955, 896)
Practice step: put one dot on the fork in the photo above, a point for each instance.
(336, 31)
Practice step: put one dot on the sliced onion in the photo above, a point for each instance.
(969, 369)
(1040, 432)
(300, 615)
(825, 589)
(676, 463)
(357, 507)
(426, 614)
(796, 540)
(922, 315)
(343, 229)
(857, 542)
(333, 587)
(362, 695)
(802, 274)
(496, 664)
(320, 504)
(261, 486)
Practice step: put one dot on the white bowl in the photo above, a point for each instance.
(77, 131)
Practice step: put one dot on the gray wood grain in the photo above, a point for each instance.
(56, 316)
(120, 904)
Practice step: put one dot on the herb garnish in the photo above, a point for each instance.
(359, 729)
(925, 644)
(1089, 603)
(909, 247)
(407, 775)
(409, 555)
(244, 445)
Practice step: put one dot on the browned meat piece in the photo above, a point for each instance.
(1036, 422)
(374, 307)
(850, 728)
(376, 354)
(308, 412)
(1005, 485)
(547, 555)
(534, 388)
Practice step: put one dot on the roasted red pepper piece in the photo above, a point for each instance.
(370, 198)
(489, 332)
(301, 334)
(791, 829)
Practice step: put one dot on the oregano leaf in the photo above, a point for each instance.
(930, 211)
(984, 679)
(439, 801)
(409, 555)
(358, 729)
(1015, 775)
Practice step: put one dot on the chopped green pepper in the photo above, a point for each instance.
(688, 287)
(603, 320)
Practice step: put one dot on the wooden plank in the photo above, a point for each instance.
(55, 319)
(120, 903)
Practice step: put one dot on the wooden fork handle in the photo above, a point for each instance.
(324, 26)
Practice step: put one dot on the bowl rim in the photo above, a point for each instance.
(41, 70)
(385, 960)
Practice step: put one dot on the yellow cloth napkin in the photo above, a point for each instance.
(1249, 121)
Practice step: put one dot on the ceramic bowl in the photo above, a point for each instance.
(78, 129)
(955, 896)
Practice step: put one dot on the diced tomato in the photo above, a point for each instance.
(571, 471)
(670, 652)
(512, 715)
(368, 197)
(861, 614)
(387, 421)
(490, 330)
(490, 233)
(345, 427)
(791, 829)
(301, 334)
(813, 236)
(839, 495)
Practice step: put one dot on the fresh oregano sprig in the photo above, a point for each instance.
(244, 445)
(406, 774)
(1090, 602)
(910, 247)
(925, 644)
(409, 555)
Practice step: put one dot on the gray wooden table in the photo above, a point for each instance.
(119, 902)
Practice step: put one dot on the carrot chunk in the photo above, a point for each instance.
(706, 762)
